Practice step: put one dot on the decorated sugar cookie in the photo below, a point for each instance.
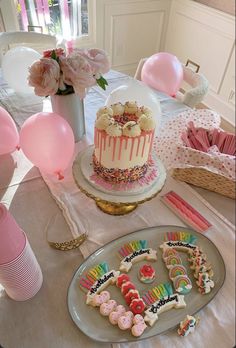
(205, 283)
(133, 252)
(139, 325)
(96, 280)
(161, 299)
(146, 274)
(187, 325)
(114, 315)
(182, 241)
(182, 284)
(203, 272)
(176, 271)
(173, 260)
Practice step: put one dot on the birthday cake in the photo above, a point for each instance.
(123, 141)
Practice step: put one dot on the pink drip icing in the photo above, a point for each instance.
(114, 148)
(132, 148)
(120, 148)
(138, 146)
(104, 136)
(126, 143)
(144, 142)
(151, 142)
(100, 149)
(96, 138)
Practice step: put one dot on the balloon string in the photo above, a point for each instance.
(59, 175)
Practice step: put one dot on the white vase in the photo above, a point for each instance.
(71, 108)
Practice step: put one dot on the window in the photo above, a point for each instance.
(63, 18)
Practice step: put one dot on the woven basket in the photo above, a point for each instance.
(206, 179)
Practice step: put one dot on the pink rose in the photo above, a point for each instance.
(44, 76)
(58, 51)
(97, 58)
(77, 72)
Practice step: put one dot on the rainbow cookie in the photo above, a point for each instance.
(173, 260)
(157, 293)
(166, 300)
(187, 325)
(176, 271)
(168, 252)
(182, 284)
(146, 274)
(183, 241)
(96, 280)
(133, 252)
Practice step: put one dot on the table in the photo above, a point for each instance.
(44, 320)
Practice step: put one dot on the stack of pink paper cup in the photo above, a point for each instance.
(20, 273)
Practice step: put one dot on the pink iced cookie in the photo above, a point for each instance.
(107, 307)
(116, 314)
(125, 321)
(139, 325)
(101, 298)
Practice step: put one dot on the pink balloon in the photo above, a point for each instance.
(9, 136)
(164, 72)
(48, 142)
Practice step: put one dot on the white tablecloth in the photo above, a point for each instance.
(22, 189)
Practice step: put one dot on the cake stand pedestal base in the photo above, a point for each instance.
(109, 200)
(116, 209)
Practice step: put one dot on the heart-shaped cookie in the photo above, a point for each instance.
(138, 329)
(125, 321)
(138, 319)
(103, 297)
(107, 307)
(118, 312)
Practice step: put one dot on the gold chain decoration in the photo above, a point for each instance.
(70, 244)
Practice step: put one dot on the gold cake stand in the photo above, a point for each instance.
(111, 201)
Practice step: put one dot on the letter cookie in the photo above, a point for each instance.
(133, 252)
(96, 280)
(161, 299)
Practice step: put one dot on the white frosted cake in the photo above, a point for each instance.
(123, 140)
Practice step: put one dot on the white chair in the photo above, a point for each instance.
(37, 41)
(198, 85)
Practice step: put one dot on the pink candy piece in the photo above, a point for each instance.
(107, 307)
(116, 314)
(125, 321)
(101, 298)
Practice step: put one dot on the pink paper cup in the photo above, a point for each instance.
(12, 238)
(22, 278)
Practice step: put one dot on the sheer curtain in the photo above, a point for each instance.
(67, 19)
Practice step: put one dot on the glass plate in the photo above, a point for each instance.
(93, 324)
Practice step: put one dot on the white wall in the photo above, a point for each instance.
(129, 30)
(207, 37)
